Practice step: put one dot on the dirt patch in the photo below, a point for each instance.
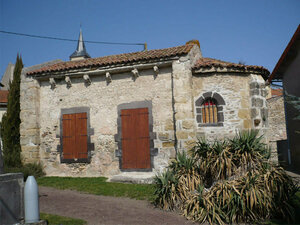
(105, 210)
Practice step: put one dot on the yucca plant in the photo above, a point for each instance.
(182, 163)
(165, 192)
(227, 182)
(248, 148)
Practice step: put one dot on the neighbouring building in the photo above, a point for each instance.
(276, 133)
(7, 76)
(4, 86)
(3, 102)
(287, 71)
(134, 111)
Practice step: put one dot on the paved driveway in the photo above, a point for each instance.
(105, 210)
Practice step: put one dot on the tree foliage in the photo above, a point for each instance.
(10, 125)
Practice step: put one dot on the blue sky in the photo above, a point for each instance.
(255, 32)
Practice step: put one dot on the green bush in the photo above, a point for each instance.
(10, 124)
(30, 169)
(227, 182)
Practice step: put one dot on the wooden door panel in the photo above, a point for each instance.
(143, 153)
(75, 136)
(128, 141)
(68, 136)
(135, 139)
(81, 136)
(128, 154)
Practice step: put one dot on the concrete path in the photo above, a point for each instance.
(105, 210)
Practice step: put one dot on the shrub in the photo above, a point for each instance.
(10, 124)
(30, 169)
(227, 182)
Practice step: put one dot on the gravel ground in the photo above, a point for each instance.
(104, 209)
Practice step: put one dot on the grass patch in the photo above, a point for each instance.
(99, 186)
(57, 220)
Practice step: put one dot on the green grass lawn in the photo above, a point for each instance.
(57, 220)
(99, 186)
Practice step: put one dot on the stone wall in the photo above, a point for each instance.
(29, 115)
(102, 99)
(277, 123)
(183, 100)
(234, 89)
(171, 91)
(11, 198)
(259, 107)
(2, 111)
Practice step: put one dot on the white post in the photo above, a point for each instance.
(31, 201)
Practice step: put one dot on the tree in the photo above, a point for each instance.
(10, 125)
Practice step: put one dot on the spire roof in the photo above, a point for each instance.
(80, 52)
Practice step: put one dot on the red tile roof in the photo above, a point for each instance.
(285, 57)
(3, 96)
(116, 59)
(207, 63)
(276, 92)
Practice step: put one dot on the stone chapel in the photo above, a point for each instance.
(133, 112)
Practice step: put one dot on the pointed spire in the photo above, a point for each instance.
(80, 52)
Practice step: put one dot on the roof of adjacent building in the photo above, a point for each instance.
(287, 55)
(276, 92)
(207, 63)
(111, 60)
(3, 96)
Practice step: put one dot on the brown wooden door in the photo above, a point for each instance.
(75, 136)
(135, 139)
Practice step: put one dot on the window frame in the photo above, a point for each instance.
(219, 101)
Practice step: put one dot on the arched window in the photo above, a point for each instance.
(209, 110)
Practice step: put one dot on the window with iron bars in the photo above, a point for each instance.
(209, 111)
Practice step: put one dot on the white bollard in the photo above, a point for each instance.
(31, 201)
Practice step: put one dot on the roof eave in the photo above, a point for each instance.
(108, 68)
(286, 57)
(214, 69)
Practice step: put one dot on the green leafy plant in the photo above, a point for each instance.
(30, 169)
(228, 181)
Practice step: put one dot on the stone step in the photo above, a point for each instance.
(133, 177)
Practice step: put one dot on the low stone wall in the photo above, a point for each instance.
(11, 198)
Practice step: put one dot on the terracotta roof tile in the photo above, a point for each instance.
(3, 96)
(209, 62)
(115, 59)
(276, 92)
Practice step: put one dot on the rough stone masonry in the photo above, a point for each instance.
(187, 97)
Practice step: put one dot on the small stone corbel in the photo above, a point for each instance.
(68, 81)
(108, 77)
(135, 73)
(87, 79)
(52, 82)
(156, 70)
